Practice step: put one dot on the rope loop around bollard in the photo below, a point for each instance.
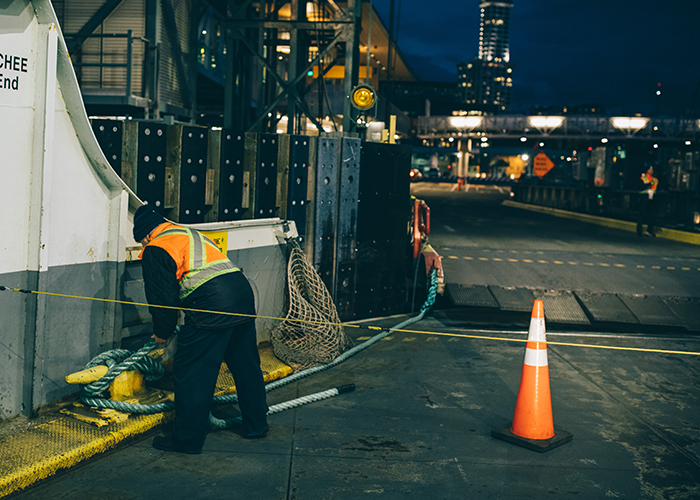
(121, 360)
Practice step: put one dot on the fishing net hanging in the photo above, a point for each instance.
(310, 333)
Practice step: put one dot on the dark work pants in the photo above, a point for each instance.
(196, 369)
(647, 209)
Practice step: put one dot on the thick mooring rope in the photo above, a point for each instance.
(119, 360)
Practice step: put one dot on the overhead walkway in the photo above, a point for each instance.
(559, 127)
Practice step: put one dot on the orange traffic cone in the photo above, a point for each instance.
(533, 426)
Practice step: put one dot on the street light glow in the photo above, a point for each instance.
(629, 124)
(546, 121)
(465, 122)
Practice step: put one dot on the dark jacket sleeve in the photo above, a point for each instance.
(162, 289)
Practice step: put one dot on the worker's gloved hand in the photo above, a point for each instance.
(159, 340)
(169, 349)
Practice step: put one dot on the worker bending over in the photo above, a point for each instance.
(182, 268)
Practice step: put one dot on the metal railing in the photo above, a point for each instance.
(149, 64)
(678, 210)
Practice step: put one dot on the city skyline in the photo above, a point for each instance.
(486, 82)
(604, 53)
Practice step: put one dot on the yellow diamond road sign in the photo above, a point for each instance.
(542, 164)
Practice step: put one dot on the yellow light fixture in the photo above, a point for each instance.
(362, 97)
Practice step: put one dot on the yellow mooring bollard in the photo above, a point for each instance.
(87, 376)
(126, 384)
(123, 387)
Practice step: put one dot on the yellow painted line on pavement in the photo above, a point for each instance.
(669, 234)
(559, 262)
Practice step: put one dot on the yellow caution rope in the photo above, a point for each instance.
(349, 325)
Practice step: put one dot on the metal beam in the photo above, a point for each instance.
(289, 88)
(297, 55)
(150, 73)
(340, 24)
(352, 70)
(322, 73)
(171, 30)
(235, 13)
(236, 92)
(91, 25)
(289, 25)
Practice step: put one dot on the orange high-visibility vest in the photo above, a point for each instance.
(198, 259)
(650, 181)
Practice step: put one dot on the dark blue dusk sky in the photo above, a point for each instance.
(610, 52)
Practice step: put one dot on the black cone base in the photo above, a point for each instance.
(560, 437)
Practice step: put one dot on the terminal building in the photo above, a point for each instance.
(263, 66)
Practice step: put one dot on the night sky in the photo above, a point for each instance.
(609, 52)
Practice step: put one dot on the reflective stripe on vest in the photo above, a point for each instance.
(199, 270)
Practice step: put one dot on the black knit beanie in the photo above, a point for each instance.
(146, 219)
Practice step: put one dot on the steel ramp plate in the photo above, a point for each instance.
(561, 307)
(650, 310)
(513, 299)
(687, 309)
(473, 296)
(606, 307)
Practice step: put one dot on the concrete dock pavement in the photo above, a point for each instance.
(420, 424)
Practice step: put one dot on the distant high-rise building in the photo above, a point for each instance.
(486, 82)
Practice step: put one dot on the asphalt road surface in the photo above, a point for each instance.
(483, 242)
